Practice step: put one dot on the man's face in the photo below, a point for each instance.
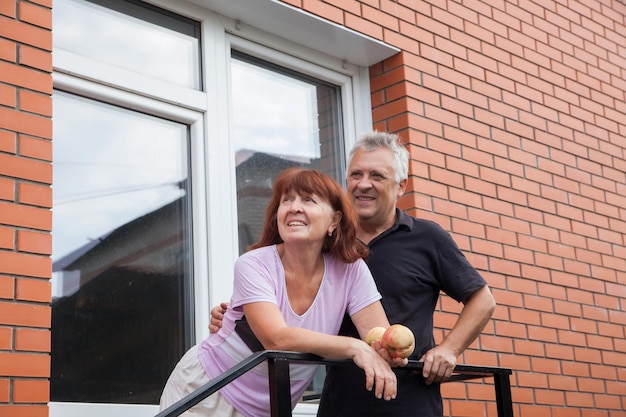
(372, 186)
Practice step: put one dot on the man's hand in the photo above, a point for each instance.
(439, 362)
(394, 362)
(217, 315)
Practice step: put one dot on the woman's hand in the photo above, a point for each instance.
(378, 373)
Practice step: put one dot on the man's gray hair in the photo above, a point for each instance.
(376, 140)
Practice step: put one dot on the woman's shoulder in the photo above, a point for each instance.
(262, 251)
(263, 254)
(333, 261)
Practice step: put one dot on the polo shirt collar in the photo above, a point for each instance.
(403, 220)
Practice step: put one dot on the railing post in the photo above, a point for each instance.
(280, 387)
(504, 402)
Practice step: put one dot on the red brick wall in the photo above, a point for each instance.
(515, 116)
(25, 202)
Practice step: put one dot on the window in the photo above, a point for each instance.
(165, 137)
(280, 118)
(130, 35)
(122, 266)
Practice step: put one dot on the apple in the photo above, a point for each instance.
(374, 335)
(399, 341)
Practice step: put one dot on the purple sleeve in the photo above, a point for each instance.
(254, 281)
(362, 291)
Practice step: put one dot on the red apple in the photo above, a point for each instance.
(399, 341)
(374, 335)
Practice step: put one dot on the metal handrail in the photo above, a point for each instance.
(280, 388)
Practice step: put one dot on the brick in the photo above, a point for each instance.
(7, 238)
(8, 95)
(24, 410)
(529, 348)
(600, 342)
(38, 290)
(33, 315)
(5, 386)
(7, 288)
(496, 344)
(388, 78)
(25, 123)
(560, 382)
(324, 10)
(34, 242)
(35, 14)
(35, 103)
(471, 408)
(25, 216)
(579, 399)
(25, 33)
(6, 338)
(587, 355)
(8, 8)
(35, 194)
(532, 379)
(35, 58)
(522, 396)
(31, 391)
(575, 368)
(24, 365)
(524, 316)
(363, 24)
(549, 397)
(573, 338)
(8, 143)
(32, 340)
(561, 352)
(35, 148)
(26, 264)
(542, 334)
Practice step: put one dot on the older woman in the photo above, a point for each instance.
(293, 288)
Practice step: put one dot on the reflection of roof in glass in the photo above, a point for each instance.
(76, 254)
(243, 155)
(122, 235)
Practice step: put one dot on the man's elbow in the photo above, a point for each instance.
(489, 302)
(482, 300)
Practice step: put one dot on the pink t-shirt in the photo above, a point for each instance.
(259, 276)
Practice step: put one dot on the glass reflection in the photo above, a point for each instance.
(142, 39)
(121, 252)
(280, 119)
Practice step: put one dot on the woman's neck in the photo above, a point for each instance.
(302, 260)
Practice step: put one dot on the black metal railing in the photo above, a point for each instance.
(280, 386)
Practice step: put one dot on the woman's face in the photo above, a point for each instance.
(305, 218)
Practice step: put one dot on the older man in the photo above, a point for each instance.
(412, 260)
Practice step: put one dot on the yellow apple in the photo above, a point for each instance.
(399, 341)
(374, 335)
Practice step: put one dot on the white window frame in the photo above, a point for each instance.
(214, 204)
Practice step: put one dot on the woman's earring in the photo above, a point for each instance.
(330, 234)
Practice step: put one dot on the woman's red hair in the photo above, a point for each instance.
(343, 243)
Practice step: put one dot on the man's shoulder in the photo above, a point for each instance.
(416, 223)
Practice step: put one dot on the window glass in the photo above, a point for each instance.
(280, 119)
(121, 309)
(133, 36)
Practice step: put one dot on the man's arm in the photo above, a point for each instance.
(439, 362)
